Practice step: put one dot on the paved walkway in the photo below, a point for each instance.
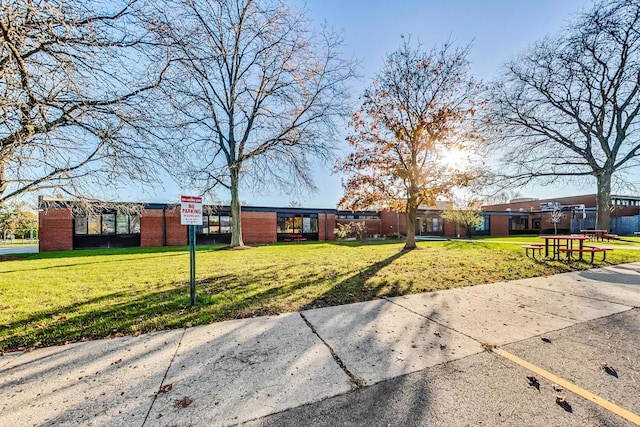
(244, 370)
(15, 250)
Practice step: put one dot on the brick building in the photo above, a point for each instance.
(149, 225)
(159, 224)
(534, 216)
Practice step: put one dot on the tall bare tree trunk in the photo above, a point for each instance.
(236, 211)
(603, 201)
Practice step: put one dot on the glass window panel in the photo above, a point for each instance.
(122, 224)
(297, 224)
(80, 225)
(225, 224)
(288, 225)
(94, 224)
(306, 225)
(108, 223)
(284, 223)
(204, 228)
(313, 225)
(134, 224)
(214, 224)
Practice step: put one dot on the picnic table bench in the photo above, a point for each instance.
(585, 249)
(609, 236)
(534, 247)
(594, 234)
(295, 238)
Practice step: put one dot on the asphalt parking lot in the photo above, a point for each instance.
(488, 389)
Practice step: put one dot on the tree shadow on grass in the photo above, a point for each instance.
(355, 289)
(222, 297)
(461, 244)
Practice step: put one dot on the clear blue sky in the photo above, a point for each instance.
(498, 30)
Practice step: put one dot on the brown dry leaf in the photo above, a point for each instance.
(165, 388)
(62, 318)
(137, 334)
(184, 402)
(117, 361)
(188, 325)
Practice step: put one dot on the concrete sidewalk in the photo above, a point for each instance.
(237, 371)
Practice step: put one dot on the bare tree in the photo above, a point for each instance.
(418, 110)
(73, 80)
(255, 94)
(569, 106)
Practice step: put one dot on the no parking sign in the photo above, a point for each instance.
(190, 210)
(191, 215)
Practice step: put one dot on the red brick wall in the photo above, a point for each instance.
(625, 211)
(259, 227)
(587, 200)
(374, 226)
(177, 234)
(450, 229)
(330, 219)
(499, 225)
(390, 223)
(56, 229)
(151, 228)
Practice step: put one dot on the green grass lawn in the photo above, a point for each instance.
(53, 298)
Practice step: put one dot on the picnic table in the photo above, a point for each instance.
(565, 244)
(561, 243)
(595, 234)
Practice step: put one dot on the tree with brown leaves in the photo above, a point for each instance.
(419, 109)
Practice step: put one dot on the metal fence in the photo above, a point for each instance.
(622, 225)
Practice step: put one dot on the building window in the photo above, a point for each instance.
(484, 226)
(362, 217)
(123, 224)
(94, 224)
(297, 223)
(105, 224)
(108, 224)
(80, 226)
(519, 223)
(216, 224)
(431, 224)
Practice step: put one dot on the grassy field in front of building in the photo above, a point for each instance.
(53, 298)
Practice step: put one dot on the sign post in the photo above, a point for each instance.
(191, 216)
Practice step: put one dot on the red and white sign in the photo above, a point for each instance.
(190, 210)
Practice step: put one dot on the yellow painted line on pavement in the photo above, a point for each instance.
(630, 416)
